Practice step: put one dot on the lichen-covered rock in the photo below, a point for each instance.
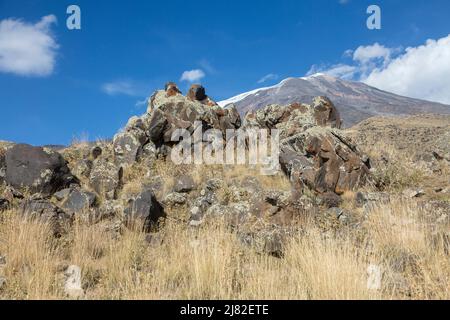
(296, 117)
(323, 160)
(75, 200)
(234, 214)
(143, 210)
(184, 184)
(127, 146)
(82, 168)
(168, 112)
(314, 153)
(36, 169)
(175, 199)
(201, 204)
(106, 178)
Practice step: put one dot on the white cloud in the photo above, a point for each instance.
(365, 54)
(124, 87)
(27, 49)
(421, 72)
(338, 70)
(192, 75)
(268, 77)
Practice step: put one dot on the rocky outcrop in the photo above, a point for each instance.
(118, 178)
(314, 153)
(151, 134)
(169, 112)
(36, 169)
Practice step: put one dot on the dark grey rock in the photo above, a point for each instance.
(78, 200)
(158, 122)
(184, 184)
(197, 92)
(36, 169)
(4, 204)
(96, 152)
(143, 209)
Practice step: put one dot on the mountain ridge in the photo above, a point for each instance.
(355, 101)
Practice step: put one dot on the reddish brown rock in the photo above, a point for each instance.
(315, 154)
(172, 89)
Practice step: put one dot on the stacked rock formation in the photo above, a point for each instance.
(314, 153)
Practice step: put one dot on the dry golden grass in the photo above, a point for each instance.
(211, 263)
(413, 250)
(33, 256)
(397, 171)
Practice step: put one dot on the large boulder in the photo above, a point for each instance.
(36, 169)
(106, 178)
(197, 92)
(128, 145)
(314, 153)
(144, 210)
(323, 160)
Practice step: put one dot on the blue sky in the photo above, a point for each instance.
(88, 82)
